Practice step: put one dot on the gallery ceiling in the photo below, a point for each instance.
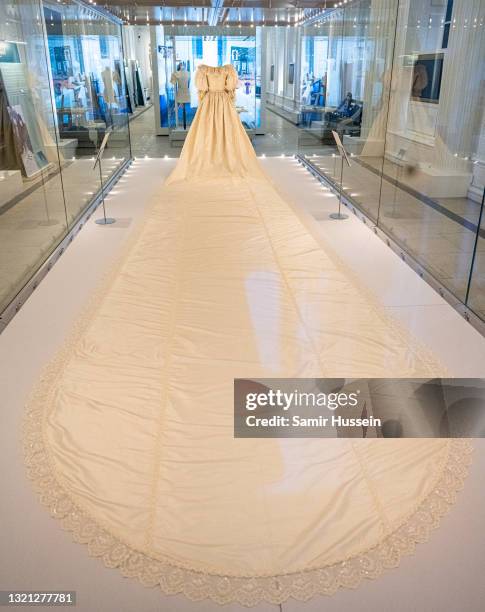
(220, 12)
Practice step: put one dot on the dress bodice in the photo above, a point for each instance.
(216, 79)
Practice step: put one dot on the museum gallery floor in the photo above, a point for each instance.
(130, 435)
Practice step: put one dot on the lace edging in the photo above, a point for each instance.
(221, 589)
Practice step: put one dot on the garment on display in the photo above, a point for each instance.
(46, 136)
(21, 122)
(224, 151)
(181, 79)
(130, 436)
(108, 90)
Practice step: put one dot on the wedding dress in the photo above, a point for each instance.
(217, 146)
(129, 435)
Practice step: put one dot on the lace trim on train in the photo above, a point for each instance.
(226, 589)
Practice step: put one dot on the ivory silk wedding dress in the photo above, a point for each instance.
(129, 435)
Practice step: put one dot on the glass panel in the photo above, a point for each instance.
(322, 92)
(431, 194)
(138, 78)
(402, 85)
(115, 96)
(369, 29)
(32, 211)
(62, 88)
(476, 296)
(85, 51)
(302, 86)
(346, 75)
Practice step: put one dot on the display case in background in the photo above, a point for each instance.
(62, 88)
(32, 210)
(181, 50)
(88, 78)
(404, 85)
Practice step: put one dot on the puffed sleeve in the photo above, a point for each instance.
(201, 82)
(232, 81)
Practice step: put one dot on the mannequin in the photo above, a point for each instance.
(108, 93)
(181, 79)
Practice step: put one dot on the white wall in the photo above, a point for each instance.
(282, 47)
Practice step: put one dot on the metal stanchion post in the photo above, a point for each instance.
(343, 156)
(104, 219)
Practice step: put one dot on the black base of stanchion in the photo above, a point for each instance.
(338, 216)
(106, 221)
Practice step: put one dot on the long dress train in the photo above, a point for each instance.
(130, 431)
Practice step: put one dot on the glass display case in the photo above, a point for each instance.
(401, 84)
(88, 77)
(62, 88)
(182, 50)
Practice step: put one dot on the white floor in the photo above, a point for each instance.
(35, 553)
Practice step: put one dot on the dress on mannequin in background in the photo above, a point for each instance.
(117, 82)
(108, 91)
(181, 80)
(130, 435)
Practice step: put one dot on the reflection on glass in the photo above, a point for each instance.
(370, 26)
(62, 87)
(32, 211)
(402, 83)
(88, 80)
(352, 54)
(430, 203)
